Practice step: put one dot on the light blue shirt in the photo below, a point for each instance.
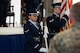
(34, 23)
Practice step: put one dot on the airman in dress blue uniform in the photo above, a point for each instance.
(33, 34)
(68, 41)
(54, 22)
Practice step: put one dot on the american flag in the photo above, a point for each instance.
(65, 9)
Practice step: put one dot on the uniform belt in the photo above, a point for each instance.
(36, 39)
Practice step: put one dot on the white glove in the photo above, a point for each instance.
(43, 49)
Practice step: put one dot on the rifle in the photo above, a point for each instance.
(45, 31)
(45, 27)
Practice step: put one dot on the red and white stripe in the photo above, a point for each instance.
(68, 6)
(63, 7)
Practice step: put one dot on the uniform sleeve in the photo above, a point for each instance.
(52, 47)
(37, 45)
(54, 22)
(66, 17)
(64, 20)
(62, 23)
(48, 23)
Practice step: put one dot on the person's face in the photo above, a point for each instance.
(33, 17)
(57, 10)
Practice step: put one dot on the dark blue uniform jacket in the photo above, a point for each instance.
(33, 38)
(54, 23)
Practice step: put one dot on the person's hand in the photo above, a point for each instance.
(43, 49)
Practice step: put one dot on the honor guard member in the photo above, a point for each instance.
(68, 41)
(54, 22)
(33, 34)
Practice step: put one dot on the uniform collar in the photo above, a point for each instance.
(56, 14)
(32, 22)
